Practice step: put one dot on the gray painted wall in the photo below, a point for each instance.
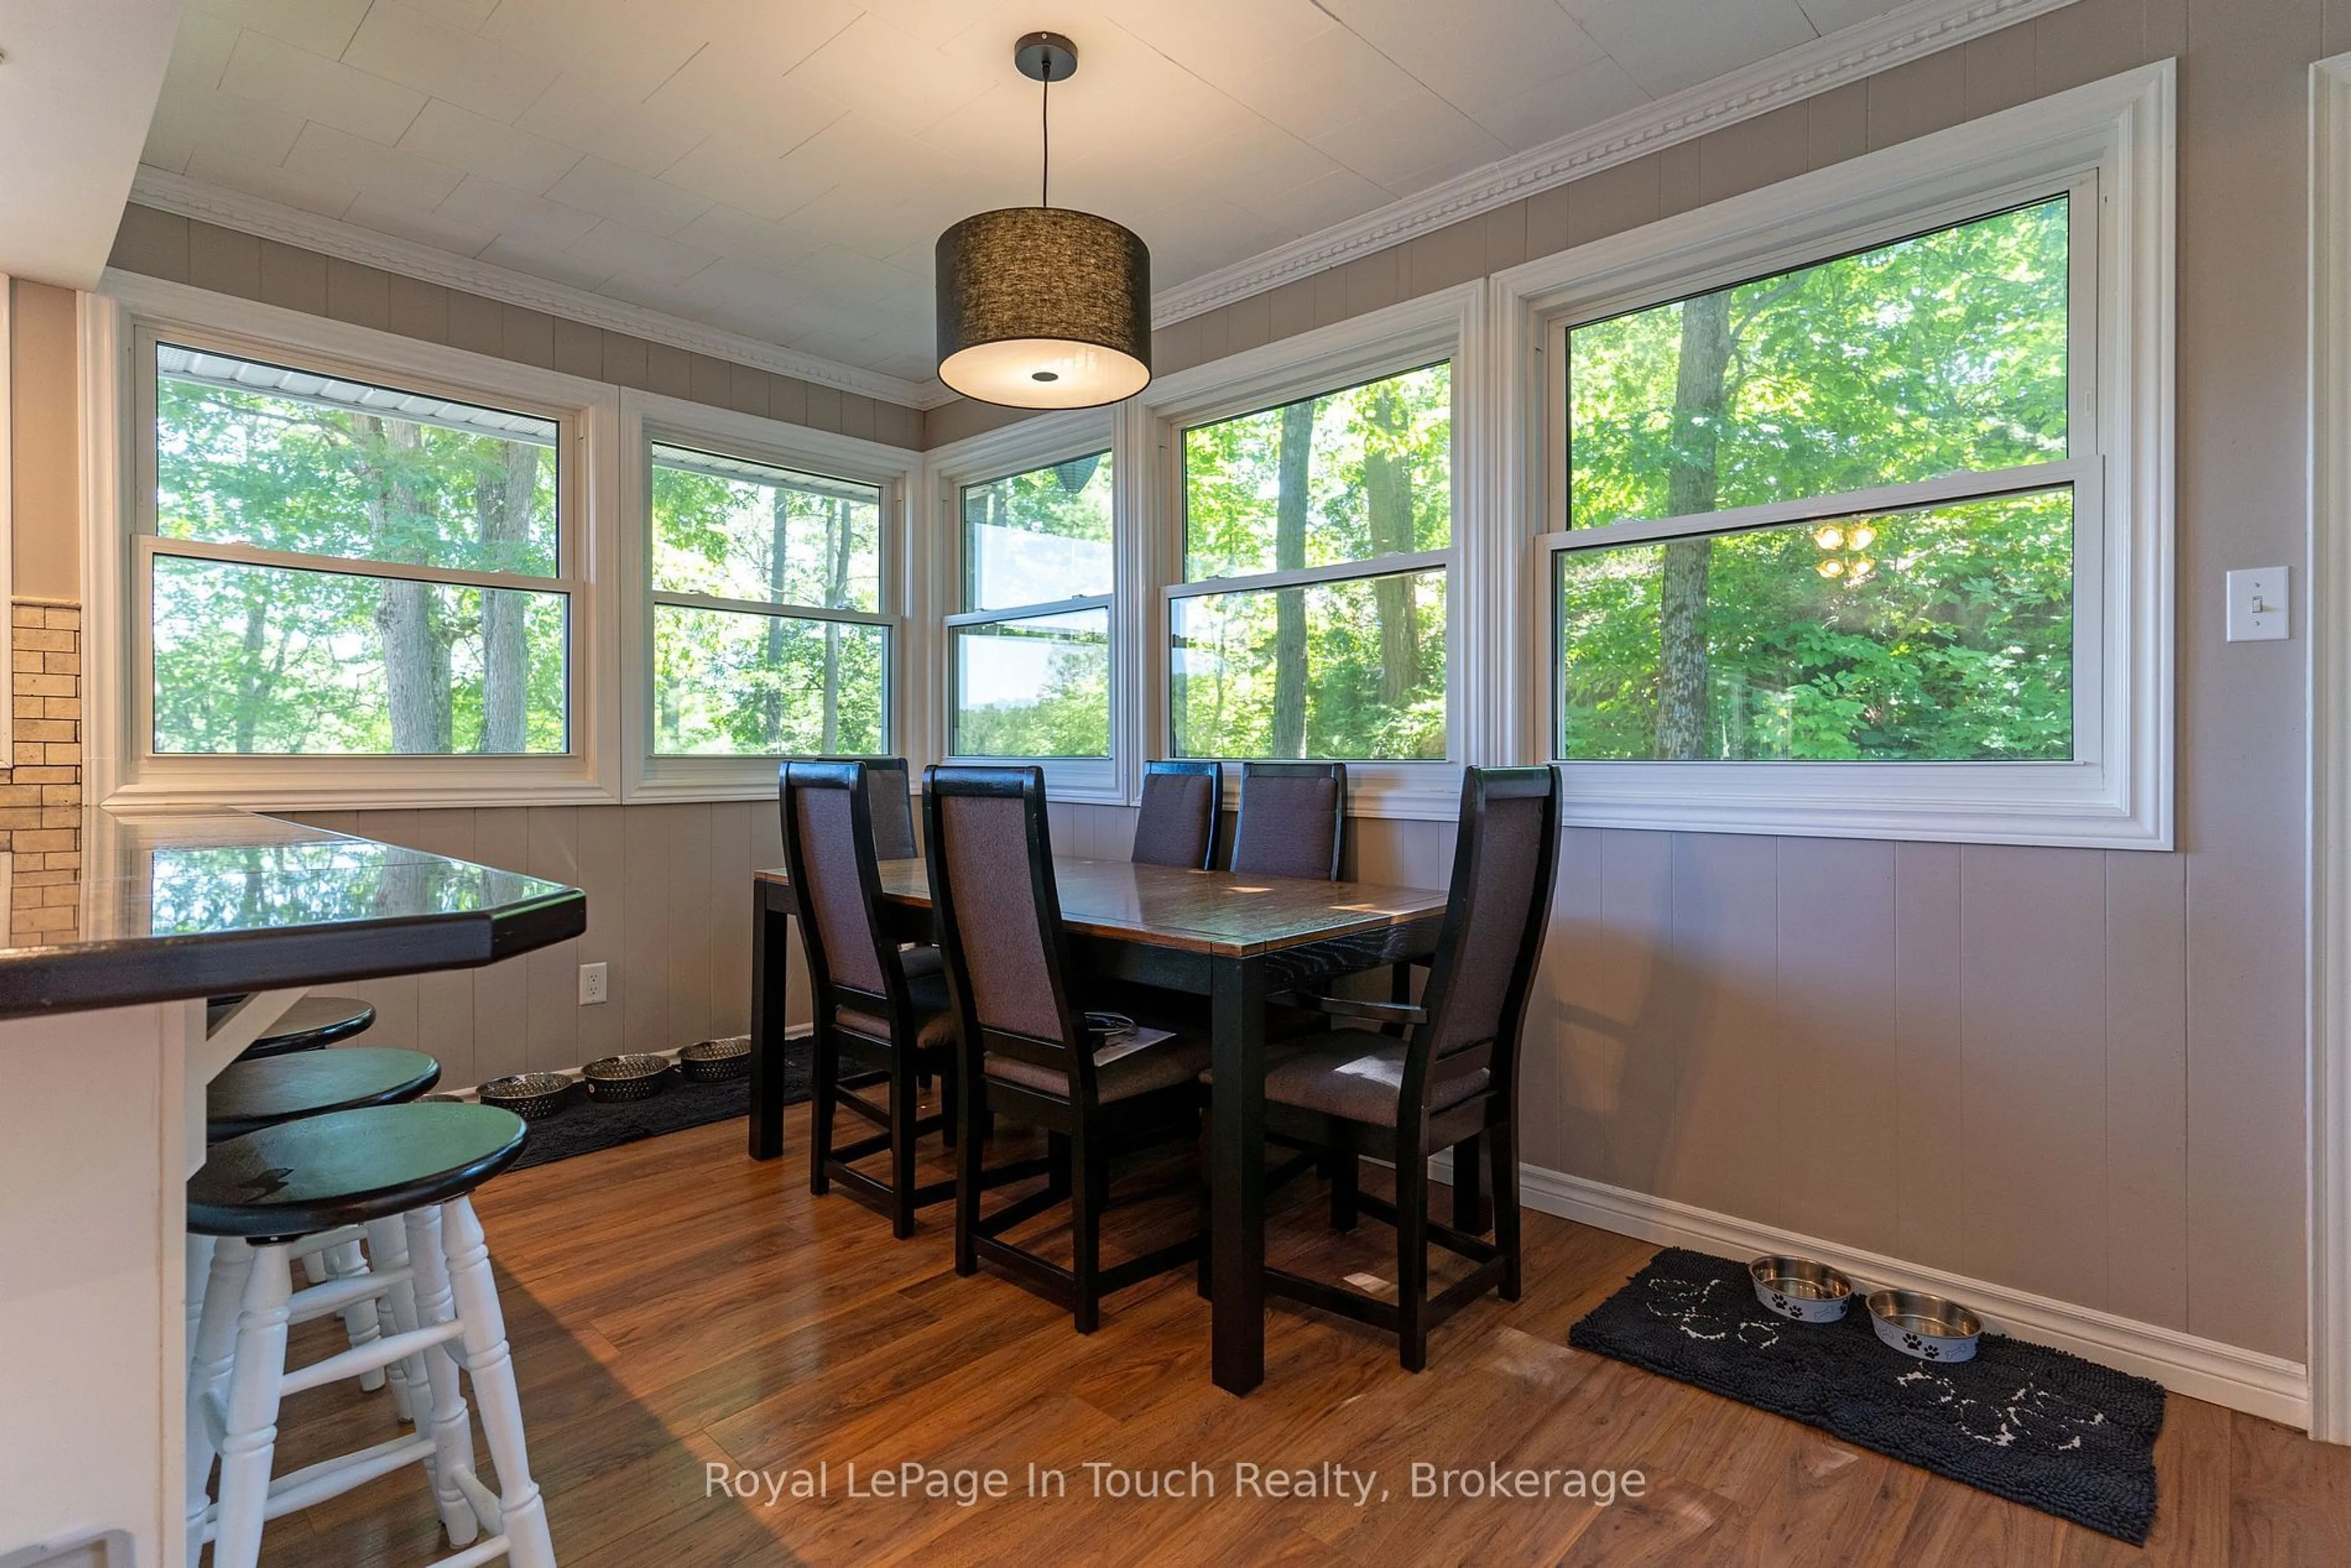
(2093, 1060)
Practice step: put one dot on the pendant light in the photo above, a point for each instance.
(1043, 307)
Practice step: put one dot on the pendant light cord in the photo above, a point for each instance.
(1045, 135)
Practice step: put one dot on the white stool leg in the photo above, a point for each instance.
(200, 1268)
(491, 1367)
(387, 1254)
(222, 1297)
(314, 1267)
(453, 1431)
(360, 1324)
(250, 1442)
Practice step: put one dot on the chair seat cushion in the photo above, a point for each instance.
(919, 960)
(1176, 1059)
(1358, 1075)
(934, 1028)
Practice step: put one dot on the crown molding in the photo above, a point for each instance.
(230, 209)
(1923, 27)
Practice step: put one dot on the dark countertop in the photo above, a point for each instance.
(170, 907)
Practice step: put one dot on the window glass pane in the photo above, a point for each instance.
(1915, 359)
(1346, 476)
(737, 529)
(290, 460)
(1940, 636)
(1039, 536)
(1353, 670)
(1038, 687)
(734, 685)
(274, 661)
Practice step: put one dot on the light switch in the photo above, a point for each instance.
(2257, 604)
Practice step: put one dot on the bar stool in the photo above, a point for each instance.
(311, 1024)
(252, 1093)
(259, 1194)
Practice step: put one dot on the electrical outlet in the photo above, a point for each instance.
(2257, 604)
(591, 985)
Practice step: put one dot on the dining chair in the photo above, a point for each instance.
(872, 1006)
(1450, 1081)
(1293, 820)
(1178, 823)
(1026, 1050)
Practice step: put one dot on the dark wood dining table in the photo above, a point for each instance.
(1234, 939)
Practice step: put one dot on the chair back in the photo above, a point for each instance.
(1293, 820)
(893, 810)
(998, 914)
(1505, 863)
(1178, 824)
(829, 810)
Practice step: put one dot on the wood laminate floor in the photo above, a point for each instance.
(675, 1307)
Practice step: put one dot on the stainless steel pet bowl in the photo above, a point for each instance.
(618, 1078)
(533, 1096)
(1930, 1328)
(715, 1060)
(1800, 1289)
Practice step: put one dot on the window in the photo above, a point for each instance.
(342, 568)
(1852, 493)
(1030, 647)
(1311, 619)
(767, 636)
(1828, 514)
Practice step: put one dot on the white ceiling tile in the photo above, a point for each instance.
(481, 74)
(1829, 15)
(1199, 33)
(200, 53)
(1330, 198)
(734, 234)
(476, 144)
(846, 276)
(518, 216)
(1472, 52)
(187, 117)
(887, 73)
(756, 181)
(612, 192)
(1398, 144)
(330, 197)
(373, 211)
(338, 157)
(321, 27)
(1322, 83)
(1585, 96)
(295, 81)
(624, 251)
(626, 50)
(587, 112)
(467, 14)
(552, 263)
(1668, 45)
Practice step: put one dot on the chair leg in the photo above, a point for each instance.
(968, 1170)
(490, 1368)
(1089, 1188)
(223, 1299)
(1503, 1142)
(1412, 1256)
(1470, 1211)
(452, 1426)
(950, 1106)
(823, 1093)
(360, 1324)
(249, 1439)
(387, 1249)
(1346, 1178)
(905, 1107)
(1057, 1166)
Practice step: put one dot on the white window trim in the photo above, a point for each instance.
(1447, 325)
(120, 771)
(647, 417)
(2122, 129)
(1016, 449)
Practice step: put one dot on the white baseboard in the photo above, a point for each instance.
(2266, 1386)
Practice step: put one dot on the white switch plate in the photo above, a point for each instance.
(2257, 604)
(591, 985)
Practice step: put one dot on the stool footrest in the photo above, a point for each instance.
(368, 1357)
(485, 1550)
(332, 1478)
(319, 1301)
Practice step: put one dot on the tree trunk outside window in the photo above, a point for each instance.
(1288, 738)
(1692, 483)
